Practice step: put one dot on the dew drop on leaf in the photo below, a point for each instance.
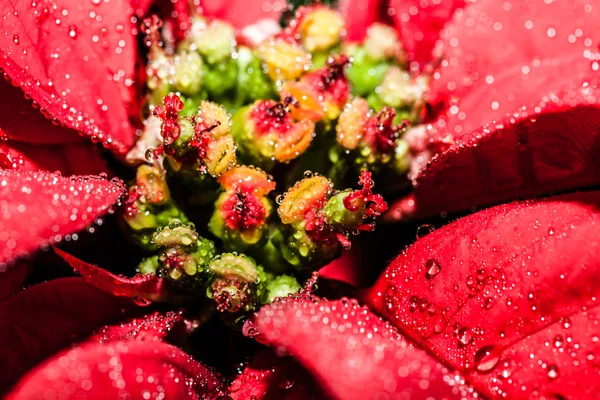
(424, 230)
(486, 359)
(552, 372)
(433, 268)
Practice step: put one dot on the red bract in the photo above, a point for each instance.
(40, 208)
(142, 288)
(507, 296)
(504, 300)
(38, 321)
(522, 115)
(419, 24)
(352, 353)
(76, 60)
(120, 369)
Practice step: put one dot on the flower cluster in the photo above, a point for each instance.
(228, 220)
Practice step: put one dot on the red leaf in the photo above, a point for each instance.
(359, 15)
(41, 207)
(271, 377)
(351, 352)
(125, 369)
(419, 24)
(153, 327)
(12, 279)
(20, 121)
(69, 159)
(142, 288)
(492, 293)
(242, 12)
(36, 322)
(524, 119)
(522, 34)
(76, 60)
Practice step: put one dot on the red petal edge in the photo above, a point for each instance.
(20, 121)
(37, 321)
(12, 279)
(68, 158)
(41, 207)
(507, 296)
(123, 369)
(351, 352)
(153, 327)
(143, 288)
(76, 61)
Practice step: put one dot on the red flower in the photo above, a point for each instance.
(501, 304)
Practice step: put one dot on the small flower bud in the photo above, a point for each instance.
(317, 226)
(281, 286)
(266, 132)
(188, 73)
(284, 60)
(382, 42)
(233, 283)
(183, 254)
(176, 234)
(248, 179)
(148, 266)
(241, 212)
(151, 185)
(307, 194)
(215, 113)
(320, 27)
(252, 82)
(321, 93)
(215, 40)
(399, 90)
(351, 124)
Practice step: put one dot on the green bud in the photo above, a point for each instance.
(402, 157)
(235, 267)
(176, 234)
(183, 254)
(234, 282)
(253, 83)
(148, 266)
(338, 215)
(151, 185)
(188, 74)
(186, 132)
(365, 74)
(220, 78)
(281, 286)
(215, 40)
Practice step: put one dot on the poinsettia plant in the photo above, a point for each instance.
(196, 166)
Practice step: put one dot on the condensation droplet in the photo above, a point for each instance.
(486, 359)
(433, 267)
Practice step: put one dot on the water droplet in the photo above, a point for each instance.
(16, 39)
(424, 230)
(308, 174)
(552, 372)
(464, 337)
(433, 268)
(286, 382)
(142, 302)
(72, 31)
(486, 359)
